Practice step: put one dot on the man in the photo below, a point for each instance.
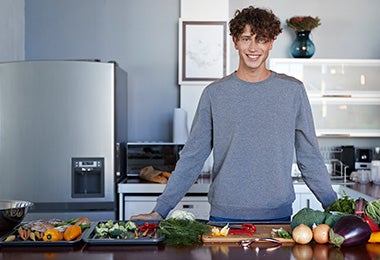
(252, 119)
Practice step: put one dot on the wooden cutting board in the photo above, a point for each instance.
(262, 231)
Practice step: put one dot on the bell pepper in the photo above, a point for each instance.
(372, 224)
(52, 235)
(72, 232)
(375, 237)
(245, 229)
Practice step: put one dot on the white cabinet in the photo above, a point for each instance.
(198, 205)
(306, 199)
(344, 94)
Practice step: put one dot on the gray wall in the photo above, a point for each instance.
(141, 35)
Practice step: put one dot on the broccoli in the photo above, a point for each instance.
(308, 217)
(331, 219)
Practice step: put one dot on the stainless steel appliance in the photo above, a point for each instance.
(139, 196)
(363, 158)
(62, 129)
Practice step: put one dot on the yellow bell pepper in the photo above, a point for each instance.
(375, 237)
(72, 232)
(52, 235)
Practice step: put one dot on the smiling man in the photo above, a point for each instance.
(253, 120)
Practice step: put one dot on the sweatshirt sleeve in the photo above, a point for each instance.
(309, 158)
(192, 157)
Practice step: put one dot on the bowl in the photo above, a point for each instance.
(12, 212)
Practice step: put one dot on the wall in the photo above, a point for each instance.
(12, 30)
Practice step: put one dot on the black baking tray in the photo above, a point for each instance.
(90, 238)
(29, 243)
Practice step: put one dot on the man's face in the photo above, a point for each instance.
(253, 51)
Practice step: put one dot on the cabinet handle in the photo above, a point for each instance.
(308, 203)
(187, 206)
(334, 135)
(337, 96)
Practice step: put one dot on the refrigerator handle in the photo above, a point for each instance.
(120, 160)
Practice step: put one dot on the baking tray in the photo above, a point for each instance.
(90, 238)
(29, 243)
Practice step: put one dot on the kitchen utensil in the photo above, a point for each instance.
(12, 212)
(249, 242)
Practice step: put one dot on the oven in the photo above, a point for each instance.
(137, 195)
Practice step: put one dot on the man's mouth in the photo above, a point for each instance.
(253, 56)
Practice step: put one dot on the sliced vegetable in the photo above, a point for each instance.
(350, 230)
(281, 232)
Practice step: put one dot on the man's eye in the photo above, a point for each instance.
(246, 39)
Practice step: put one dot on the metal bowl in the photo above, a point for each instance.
(12, 212)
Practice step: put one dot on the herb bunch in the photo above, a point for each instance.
(303, 23)
(182, 232)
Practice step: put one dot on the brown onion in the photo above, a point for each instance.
(321, 233)
(302, 234)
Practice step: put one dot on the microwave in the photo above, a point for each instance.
(161, 156)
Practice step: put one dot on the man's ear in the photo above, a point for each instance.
(234, 40)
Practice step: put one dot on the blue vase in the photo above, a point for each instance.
(302, 47)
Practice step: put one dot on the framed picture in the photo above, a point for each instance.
(202, 51)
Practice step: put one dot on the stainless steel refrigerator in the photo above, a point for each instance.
(63, 126)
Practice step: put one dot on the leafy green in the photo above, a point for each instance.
(182, 231)
(308, 217)
(345, 204)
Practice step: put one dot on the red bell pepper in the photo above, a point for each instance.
(372, 224)
(245, 229)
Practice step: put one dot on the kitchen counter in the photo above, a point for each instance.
(205, 251)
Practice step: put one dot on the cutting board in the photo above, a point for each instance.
(262, 231)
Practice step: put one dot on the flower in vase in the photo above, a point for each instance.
(303, 23)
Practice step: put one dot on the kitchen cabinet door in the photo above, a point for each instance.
(344, 94)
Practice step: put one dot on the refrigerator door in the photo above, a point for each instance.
(50, 113)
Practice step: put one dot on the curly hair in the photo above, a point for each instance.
(264, 24)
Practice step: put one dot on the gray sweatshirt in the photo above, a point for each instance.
(253, 129)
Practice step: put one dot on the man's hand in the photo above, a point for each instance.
(151, 216)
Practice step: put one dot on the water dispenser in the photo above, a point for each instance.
(87, 177)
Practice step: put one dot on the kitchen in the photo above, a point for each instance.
(163, 83)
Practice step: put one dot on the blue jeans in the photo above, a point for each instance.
(218, 219)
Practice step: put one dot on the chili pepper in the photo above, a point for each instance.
(52, 235)
(372, 224)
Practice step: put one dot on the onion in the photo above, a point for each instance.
(302, 234)
(321, 233)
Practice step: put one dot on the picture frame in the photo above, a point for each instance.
(202, 51)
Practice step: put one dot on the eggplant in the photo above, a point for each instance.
(350, 230)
